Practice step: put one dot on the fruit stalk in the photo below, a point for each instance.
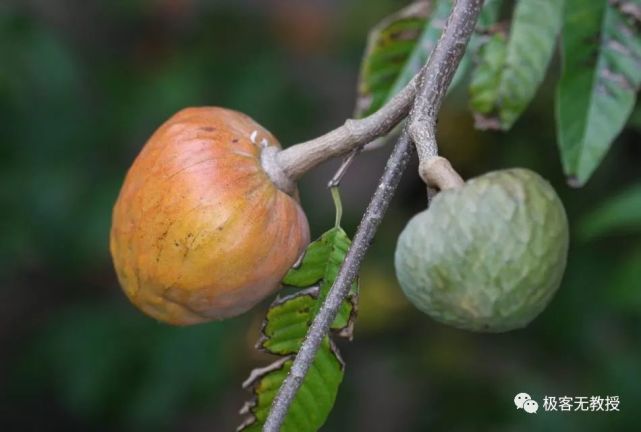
(436, 77)
(286, 166)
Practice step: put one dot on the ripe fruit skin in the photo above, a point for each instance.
(487, 256)
(199, 232)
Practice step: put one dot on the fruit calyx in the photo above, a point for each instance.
(280, 179)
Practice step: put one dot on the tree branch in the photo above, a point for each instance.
(435, 77)
(326, 315)
(438, 75)
(296, 160)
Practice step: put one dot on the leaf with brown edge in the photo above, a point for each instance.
(400, 44)
(390, 45)
(282, 333)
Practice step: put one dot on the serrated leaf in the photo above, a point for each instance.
(400, 44)
(287, 322)
(312, 403)
(601, 74)
(511, 67)
(619, 214)
(285, 326)
(321, 261)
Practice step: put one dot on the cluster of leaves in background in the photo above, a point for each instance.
(400, 44)
(511, 51)
(285, 326)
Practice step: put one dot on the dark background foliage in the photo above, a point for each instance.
(83, 83)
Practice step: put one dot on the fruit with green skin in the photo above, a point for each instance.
(199, 231)
(487, 256)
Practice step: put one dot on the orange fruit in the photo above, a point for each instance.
(199, 231)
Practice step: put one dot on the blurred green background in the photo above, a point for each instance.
(83, 83)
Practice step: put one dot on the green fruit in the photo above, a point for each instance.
(487, 256)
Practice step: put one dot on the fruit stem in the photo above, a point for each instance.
(438, 173)
(296, 160)
(435, 171)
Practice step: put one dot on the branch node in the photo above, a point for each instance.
(351, 126)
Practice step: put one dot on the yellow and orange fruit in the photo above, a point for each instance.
(199, 230)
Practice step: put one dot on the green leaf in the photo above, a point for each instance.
(287, 322)
(620, 214)
(601, 74)
(313, 402)
(285, 326)
(400, 44)
(486, 80)
(511, 67)
(485, 25)
(391, 54)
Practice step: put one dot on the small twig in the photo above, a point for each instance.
(342, 169)
(447, 55)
